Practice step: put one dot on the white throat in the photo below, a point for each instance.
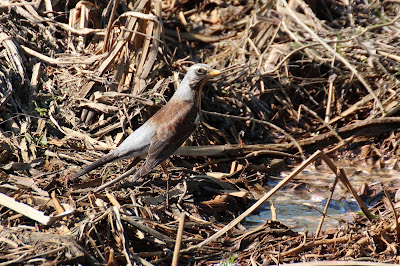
(184, 93)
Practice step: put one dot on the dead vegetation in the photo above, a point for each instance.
(77, 77)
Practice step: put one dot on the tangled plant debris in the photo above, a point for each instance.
(76, 78)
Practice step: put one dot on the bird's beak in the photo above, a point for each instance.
(214, 72)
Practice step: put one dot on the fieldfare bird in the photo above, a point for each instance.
(164, 132)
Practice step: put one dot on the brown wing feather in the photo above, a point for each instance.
(179, 121)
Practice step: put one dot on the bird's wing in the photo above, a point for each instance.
(177, 123)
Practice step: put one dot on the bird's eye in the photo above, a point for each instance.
(201, 71)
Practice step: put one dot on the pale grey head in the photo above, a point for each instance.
(194, 80)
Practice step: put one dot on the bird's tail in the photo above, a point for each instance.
(106, 159)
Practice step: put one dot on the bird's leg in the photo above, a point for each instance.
(164, 168)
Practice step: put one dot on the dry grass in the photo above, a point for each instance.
(76, 78)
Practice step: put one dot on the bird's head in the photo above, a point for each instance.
(194, 80)
(198, 75)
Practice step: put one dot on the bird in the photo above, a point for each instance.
(162, 134)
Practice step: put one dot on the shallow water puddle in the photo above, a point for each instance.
(297, 204)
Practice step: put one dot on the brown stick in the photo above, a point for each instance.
(178, 243)
(311, 244)
(396, 218)
(342, 177)
(326, 207)
(371, 127)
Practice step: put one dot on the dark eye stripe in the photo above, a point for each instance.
(201, 71)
